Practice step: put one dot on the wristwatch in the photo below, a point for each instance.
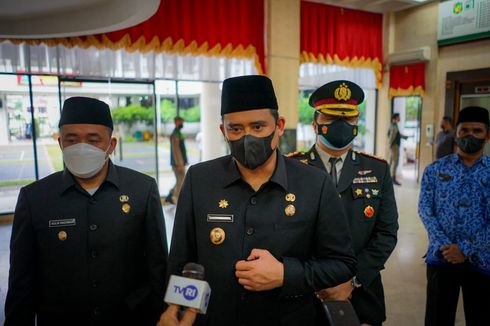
(355, 283)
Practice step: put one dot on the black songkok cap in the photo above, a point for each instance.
(247, 93)
(473, 114)
(85, 110)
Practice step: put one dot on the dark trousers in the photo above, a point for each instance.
(443, 284)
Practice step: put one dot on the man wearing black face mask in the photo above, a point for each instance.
(454, 206)
(365, 186)
(269, 231)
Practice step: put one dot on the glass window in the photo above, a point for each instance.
(17, 164)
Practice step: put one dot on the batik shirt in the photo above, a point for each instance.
(454, 205)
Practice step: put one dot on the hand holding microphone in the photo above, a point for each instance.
(170, 317)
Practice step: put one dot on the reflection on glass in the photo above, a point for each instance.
(16, 150)
(46, 117)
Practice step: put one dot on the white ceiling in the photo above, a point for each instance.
(63, 18)
(379, 6)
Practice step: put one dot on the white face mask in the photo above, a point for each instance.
(84, 160)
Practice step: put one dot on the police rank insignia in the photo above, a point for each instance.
(62, 235)
(126, 208)
(342, 93)
(290, 210)
(124, 198)
(369, 211)
(223, 203)
(290, 197)
(217, 236)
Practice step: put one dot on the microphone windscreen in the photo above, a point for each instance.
(194, 271)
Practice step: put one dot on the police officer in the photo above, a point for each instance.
(365, 186)
(268, 230)
(88, 244)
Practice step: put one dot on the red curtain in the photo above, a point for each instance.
(230, 28)
(407, 80)
(346, 37)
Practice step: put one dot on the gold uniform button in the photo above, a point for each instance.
(217, 236)
(290, 210)
(62, 235)
(126, 208)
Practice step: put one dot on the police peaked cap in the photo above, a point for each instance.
(247, 93)
(473, 114)
(85, 110)
(340, 98)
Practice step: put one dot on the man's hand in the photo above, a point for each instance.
(261, 271)
(453, 254)
(170, 317)
(341, 292)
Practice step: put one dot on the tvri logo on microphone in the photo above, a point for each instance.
(189, 292)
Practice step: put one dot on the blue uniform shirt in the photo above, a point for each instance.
(454, 205)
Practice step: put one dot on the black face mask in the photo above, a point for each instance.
(442, 127)
(470, 144)
(252, 151)
(180, 127)
(337, 135)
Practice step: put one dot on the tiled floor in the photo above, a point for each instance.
(404, 276)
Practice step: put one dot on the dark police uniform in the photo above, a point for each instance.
(78, 259)
(297, 216)
(366, 190)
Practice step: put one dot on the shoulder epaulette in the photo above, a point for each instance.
(295, 154)
(372, 156)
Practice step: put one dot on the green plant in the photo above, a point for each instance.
(132, 113)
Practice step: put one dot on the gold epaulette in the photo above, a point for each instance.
(372, 156)
(295, 154)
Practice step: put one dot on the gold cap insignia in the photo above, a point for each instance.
(126, 208)
(223, 203)
(342, 93)
(290, 210)
(217, 236)
(124, 198)
(62, 235)
(290, 197)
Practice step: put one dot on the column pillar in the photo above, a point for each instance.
(283, 47)
(212, 143)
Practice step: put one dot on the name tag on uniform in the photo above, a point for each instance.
(220, 218)
(60, 223)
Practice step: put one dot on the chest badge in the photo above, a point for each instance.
(62, 236)
(290, 197)
(217, 236)
(375, 192)
(364, 172)
(369, 211)
(126, 208)
(124, 198)
(290, 210)
(223, 203)
(358, 192)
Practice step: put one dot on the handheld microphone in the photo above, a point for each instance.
(190, 289)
